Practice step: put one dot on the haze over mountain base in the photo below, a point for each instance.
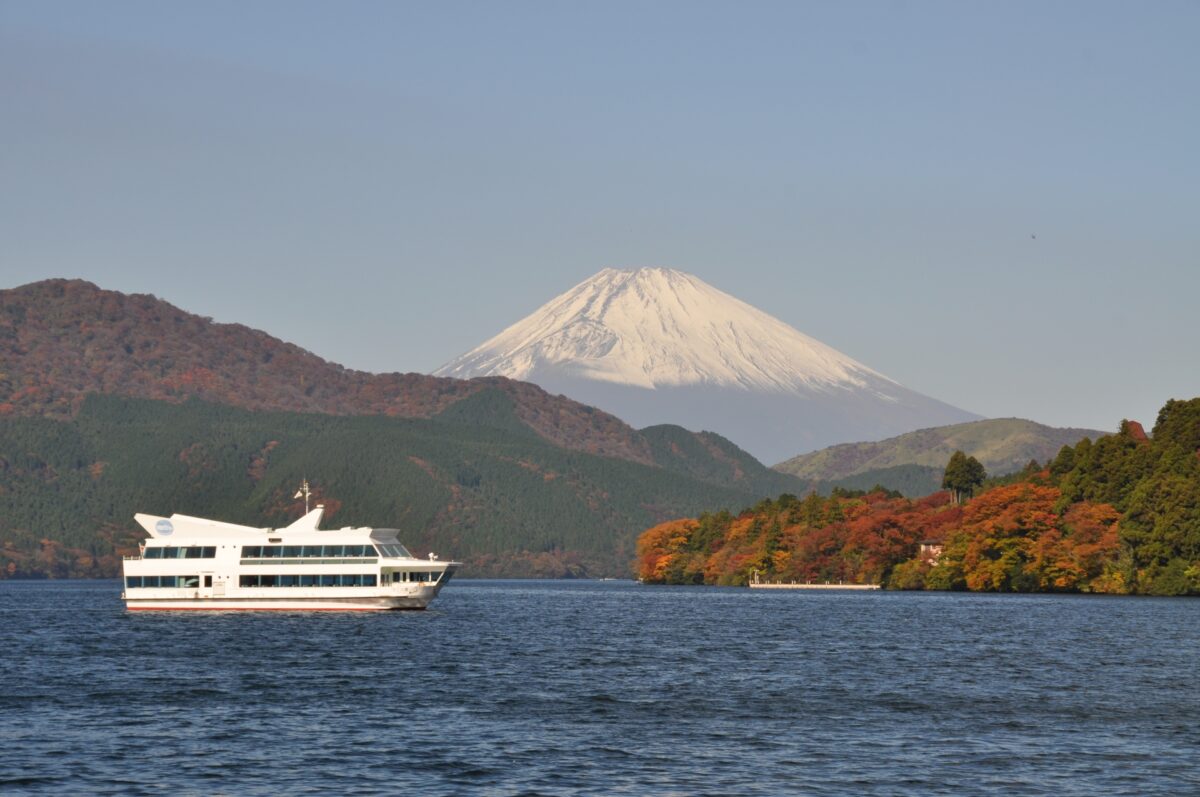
(772, 426)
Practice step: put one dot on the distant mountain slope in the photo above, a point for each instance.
(63, 339)
(1003, 445)
(655, 345)
(473, 483)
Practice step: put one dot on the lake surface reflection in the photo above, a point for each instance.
(604, 688)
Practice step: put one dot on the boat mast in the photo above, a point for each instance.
(303, 491)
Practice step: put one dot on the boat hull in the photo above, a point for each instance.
(417, 599)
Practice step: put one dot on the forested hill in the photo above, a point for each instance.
(1118, 515)
(1002, 445)
(61, 340)
(474, 483)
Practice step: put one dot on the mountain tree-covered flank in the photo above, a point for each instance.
(1002, 446)
(1119, 515)
(61, 340)
(474, 483)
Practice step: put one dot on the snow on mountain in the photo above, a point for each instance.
(656, 345)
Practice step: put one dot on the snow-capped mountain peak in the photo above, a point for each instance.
(655, 346)
(658, 327)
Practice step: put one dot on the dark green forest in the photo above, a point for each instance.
(474, 483)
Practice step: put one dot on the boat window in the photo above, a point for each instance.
(170, 552)
(291, 551)
(281, 580)
(133, 581)
(210, 551)
(189, 582)
(310, 550)
(334, 550)
(208, 581)
(193, 552)
(154, 552)
(271, 551)
(251, 551)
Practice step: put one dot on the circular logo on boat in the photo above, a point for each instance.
(163, 527)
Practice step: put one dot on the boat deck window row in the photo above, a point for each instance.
(307, 580)
(171, 582)
(416, 575)
(179, 552)
(306, 551)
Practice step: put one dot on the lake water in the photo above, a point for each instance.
(603, 688)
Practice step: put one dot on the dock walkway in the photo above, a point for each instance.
(795, 585)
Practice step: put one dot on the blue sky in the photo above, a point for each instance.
(388, 184)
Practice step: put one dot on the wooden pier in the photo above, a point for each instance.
(797, 585)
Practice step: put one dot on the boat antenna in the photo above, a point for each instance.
(305, 492)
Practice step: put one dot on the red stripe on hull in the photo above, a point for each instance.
(271, 609)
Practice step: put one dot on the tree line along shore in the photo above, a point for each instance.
(1119, 515)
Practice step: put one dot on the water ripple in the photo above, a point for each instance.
(510, 688)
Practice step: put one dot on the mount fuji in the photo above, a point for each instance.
(656, 345)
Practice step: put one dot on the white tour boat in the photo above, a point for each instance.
(193, 563)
